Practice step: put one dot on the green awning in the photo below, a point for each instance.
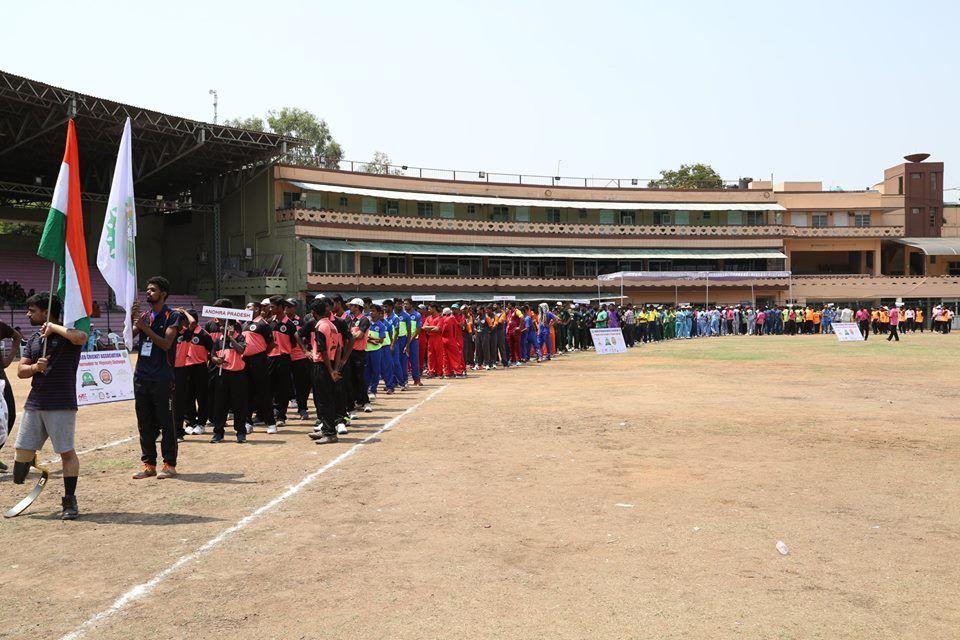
(453, 250)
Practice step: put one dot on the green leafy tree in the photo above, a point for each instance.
(380, 164)
(688, 176)
(253, 123)
(300, 123)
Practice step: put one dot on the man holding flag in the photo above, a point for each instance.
(53, 353)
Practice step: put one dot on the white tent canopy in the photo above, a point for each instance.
(618, 205)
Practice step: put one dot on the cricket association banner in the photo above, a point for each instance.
(104, 376)
(608, 341)
(847, 331)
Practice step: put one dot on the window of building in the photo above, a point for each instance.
(754, 217)
(818, 220)
(933, 181)
(368, 205)
(933, 216)
(500, 214)
(425, 209)
(861, 220)
(607, 217)
(736, 217)
(953, 268)
(389, 265)
(681, 217)
(464, 267)
(900, 185)
(522, 214)
(582, 214)
(585, 268)
(425, 266)
(446, 210)
(289, 197)
(331, 261)
(344, 202)
(628, 217)
(916, 176)
(471, 209)
(707, 215)
(553, 215)
(660, 265)
(391, 207)
(662, 217)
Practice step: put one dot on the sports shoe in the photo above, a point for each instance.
(198, 430)
(316, 435)
(476, 367)
(3, 467)
(342, 429)
(403, 388)
(353, 415)
(367, 408)
(461, 375)
(241, 437)
(271, 428)
(249, 427)
(373, 397)
(217, 437)
(148, 471)
(167, 472)
(304, 416)
(327, 440)
(281, 423)
(389, 392)
(69, 511)
(181, 437)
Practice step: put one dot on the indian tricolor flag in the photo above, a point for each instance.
(63, 243)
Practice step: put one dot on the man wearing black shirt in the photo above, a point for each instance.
(51, 361)
(153, 380)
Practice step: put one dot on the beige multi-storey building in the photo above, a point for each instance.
(476, 236)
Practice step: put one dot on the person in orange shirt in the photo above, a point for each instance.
(919, 319)
(469, 348)
(816, 321)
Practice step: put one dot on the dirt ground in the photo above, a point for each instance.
(627, 496)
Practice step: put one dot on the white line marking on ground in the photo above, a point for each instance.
(142, 590)
(114, 443)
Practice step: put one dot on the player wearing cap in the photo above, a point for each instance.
(360, 328)
(278, 358)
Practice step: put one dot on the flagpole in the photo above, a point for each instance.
(53, 279)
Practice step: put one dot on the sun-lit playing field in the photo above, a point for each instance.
(631, 496)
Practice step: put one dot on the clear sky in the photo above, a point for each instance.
(801, 90)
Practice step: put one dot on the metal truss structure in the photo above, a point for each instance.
(172, 155)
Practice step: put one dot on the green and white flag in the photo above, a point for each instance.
(117, 253)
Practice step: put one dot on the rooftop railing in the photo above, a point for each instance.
(477, 175)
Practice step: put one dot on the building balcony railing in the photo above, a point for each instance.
(346, 218)
(360, 281)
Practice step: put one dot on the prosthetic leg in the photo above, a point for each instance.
(20, 471)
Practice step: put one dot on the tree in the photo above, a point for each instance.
(300, 123)
(688, 176)
(380, 164)
(253, 123)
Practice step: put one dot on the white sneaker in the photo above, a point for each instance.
(280, 423)
(198, 431)
(373, 397)
(367, 408)
(486, 367)
(353, 415)
(341, 429)
(476, 367)
(318, 427)
(403, 388)
(271, 428)
(249, 428)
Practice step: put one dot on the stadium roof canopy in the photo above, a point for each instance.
(171, 155)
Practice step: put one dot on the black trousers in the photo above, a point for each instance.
(260, 390)
(301, 382)
(893, 333)
(342, 386)
(11, 408)
(468, 349)
(231, 392)
(324, 397)
(281, 384)
(865, 329)
(358, 365)
(153, 402)
(191, 384)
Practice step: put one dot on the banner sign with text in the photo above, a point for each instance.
(227, 313)
(608, 341)
(424, 298)
(847, 331)
(104, 376)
